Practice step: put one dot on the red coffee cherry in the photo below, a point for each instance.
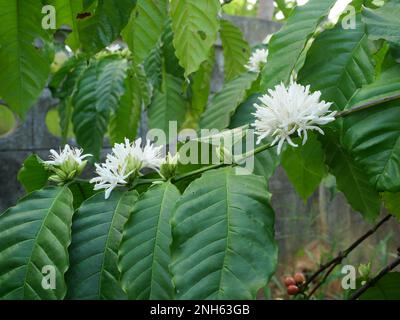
(299, 278)
(289, 281)
(292, 290)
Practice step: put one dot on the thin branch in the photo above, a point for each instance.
(237, 162)
(374, 280)
(319, 284)
(343, 254)
(367, 105)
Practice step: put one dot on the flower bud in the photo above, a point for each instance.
(66, 164)
(168, 167)
(224, 155)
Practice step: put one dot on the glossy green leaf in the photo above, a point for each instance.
(34, 238)
(236, 50)
(97, 95)
(171, 62)
(305, 166)
(201, 86)
(387, 288)
(25, 55)
(103, 27)
(373, 137)
(33, 175)
(81, 190)
(195, 26)
(384, 23)
(287, 45)
(145, 27)
(338, 63)
(168, 105)
(351, 178)
(153, 66)
(223, 237)
(224, 103)
(63, 85)
(96, 236)
(66, 15)
(386, 85)
(145, 254)
(266, 163)
(392, 203)
(125, 122)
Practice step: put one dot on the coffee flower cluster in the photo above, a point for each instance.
(127, 160)
(66, 165)
(284, 112)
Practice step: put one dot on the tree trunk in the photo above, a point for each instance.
(266, 9)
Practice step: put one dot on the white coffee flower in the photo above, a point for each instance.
(257, 60)
(286, 111)
(123, 165)
(66, 164)
(109, 177)
(152, 156)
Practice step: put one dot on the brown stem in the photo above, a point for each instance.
(339, 258)
(319, 284)
(374, 280)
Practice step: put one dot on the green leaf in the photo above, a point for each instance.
(63, 84)
(145, 27)
(338, 63)
(171, 62)
(81, 190)
(373, 137)
(168, 105)
(305, 166)
(265, 163)
(287, 45)
(98, 94)
(102, 28)
(145, 254)
(25, 55)
(392, 203)
(33, 175)
(384, 23)
(223, 237)
(201, 86)
(66, 15)
(195, 25)
(96, 236)
(153, 66)
(145, 87)
(387, 288)
(386, 85)
(236, 50)
(224, 103)
(34, 234)
(351, 178)
(125, 122)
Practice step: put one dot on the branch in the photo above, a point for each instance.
(339, 258)
(220, 165)
(374, 280)
(367, 105)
